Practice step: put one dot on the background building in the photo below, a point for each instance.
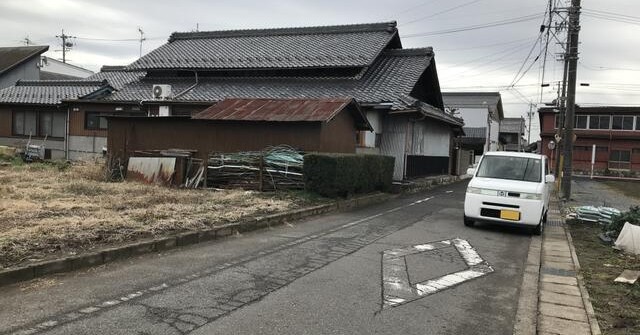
(615, 131)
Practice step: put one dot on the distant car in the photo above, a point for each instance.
(509, 188)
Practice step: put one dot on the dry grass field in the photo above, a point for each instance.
(52, 210)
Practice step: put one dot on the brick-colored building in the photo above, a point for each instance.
(615, 131)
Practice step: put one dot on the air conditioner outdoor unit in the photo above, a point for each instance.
(162, 92)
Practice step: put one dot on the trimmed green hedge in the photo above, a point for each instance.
(334, 175)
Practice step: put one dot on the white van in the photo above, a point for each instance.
(510, 188)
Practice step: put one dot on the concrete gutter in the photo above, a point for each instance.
(107, 255)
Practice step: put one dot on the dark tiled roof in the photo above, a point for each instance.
(512, 125)
(394, 74)
(282, 110)
(475, 132)
(48, 92)
(407, 103)
(116, 77)
(310, 47)
(11, 57)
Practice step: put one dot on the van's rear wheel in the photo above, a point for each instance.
(468, 222)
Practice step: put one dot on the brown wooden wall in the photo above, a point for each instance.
(339, 135)
(5, 121)
(77, 117)
(156, 133)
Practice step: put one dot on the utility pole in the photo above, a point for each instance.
(65, 45)
(27, 41)
(142, 39)
(530, 114)
(572, 72)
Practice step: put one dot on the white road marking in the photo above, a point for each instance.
(89, 310)
(397, 289)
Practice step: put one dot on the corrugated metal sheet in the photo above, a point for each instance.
(158, 170)
(393, 143)
(283, 110)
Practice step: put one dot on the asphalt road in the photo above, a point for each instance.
(384, 269)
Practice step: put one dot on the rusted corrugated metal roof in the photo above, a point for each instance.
(283, 110)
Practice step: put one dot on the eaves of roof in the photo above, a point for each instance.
(284, 110)
(49, 92)
(12, 57)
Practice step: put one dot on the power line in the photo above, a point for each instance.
(515, 78)
(612, 18)
(441, 12)
(413, 7)
(611, 14)
(485, 45)
(118, 40)
(605, 68)
(513, 49)
(478, 26)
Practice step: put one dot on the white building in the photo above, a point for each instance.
(482, 113)
(53, 69)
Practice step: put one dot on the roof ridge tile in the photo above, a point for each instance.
(389, 26)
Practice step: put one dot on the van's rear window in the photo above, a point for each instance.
(514, 168)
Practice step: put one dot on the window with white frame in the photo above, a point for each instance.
(581, 122)
(599, 122)
(622, 122)
(620, 159)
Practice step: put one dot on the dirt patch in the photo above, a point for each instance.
(50, 210)
(617, 305)
(628, 188)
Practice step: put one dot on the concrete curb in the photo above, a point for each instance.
(103, 256)
(527, 312)
(591, 315)
(424, 184)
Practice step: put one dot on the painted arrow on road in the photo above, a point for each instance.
(397, 289)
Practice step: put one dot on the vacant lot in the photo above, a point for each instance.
(628, 188)
(617, 305)
(49, 210)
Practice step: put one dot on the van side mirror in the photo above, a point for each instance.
(471, 171)
(549, 178)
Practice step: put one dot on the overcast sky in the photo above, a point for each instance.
(485, 59)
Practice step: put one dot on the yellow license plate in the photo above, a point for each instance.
(510, 215)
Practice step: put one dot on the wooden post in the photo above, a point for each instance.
(261, 173)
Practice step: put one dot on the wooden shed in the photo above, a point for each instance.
(232, 125)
